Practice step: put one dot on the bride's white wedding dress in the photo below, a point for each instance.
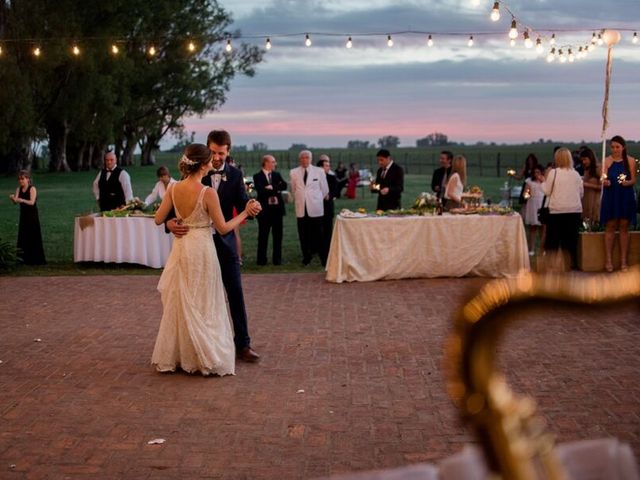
(195, 332)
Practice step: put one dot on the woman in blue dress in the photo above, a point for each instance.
(618, 207)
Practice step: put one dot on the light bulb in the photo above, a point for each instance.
(75, 50)
(228, 47)
(191, 47)
(552, 55)
(572, 57)
(528, 43)
(635, 37)
(580, 53)
(37, 51)
(430, 41)
(553, 39)
(470, 42)
(389, 41)
(267, 44)
(115, 49)
(585, 51)
(495, 12)
(561, 56)
(513, 32)
(349, 43)
(152, 50)
(0, 50)
(539, 47)
(591, 47)
(512, 43)
(594, 38)
(600, 40)
(307, 40)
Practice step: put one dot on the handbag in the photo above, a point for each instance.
(543, 212)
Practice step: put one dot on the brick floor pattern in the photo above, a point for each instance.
(351, 379)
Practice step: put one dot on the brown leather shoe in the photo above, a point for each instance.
(248, 355)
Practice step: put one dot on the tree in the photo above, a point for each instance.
(358, 144)
(298, 146)
(435, 139)
(259, 147)
(389, 141)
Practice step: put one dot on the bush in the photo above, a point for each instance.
(8, 255)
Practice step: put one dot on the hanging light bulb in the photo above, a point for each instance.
(470, 42)
(430, 41)
(191, 46)
(513, 32)
(528, 43)
(37, 52)
(349, 43)
(539, 47)
(561, 56)
(307, 40)
(585, 51)
(635, 37)
(389, 41)
(512, 42)
(228, 46)
(114, 49)
(495, 12)
(475, 3)
(572, 57)
(600, 40)
(552, 55)
(580, 53)
(553, 39)
(594, 38)
(151, 51)
(267, 44)
(0, 50)
(591, 47)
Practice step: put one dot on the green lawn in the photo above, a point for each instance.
(62, 196)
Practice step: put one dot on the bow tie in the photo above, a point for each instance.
(109, 170)
(218, 172)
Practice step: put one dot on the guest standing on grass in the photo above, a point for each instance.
(533, 196)
(389, 182)
(269, 185)
(352, 182)
(592, 187)
(618, 208)
(441, 175)
(30, 248)
(112, 186)
(455, 184)
(160, 188)
(329, 208)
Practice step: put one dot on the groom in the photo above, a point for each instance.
(229, 183)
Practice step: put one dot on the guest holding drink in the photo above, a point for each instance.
(455, 184)
(29, 233)
(564, 189)
(592, 187)
(618, 208)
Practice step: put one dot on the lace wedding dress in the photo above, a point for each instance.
(195, 332)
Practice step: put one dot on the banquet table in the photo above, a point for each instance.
(385, 248)
(120, 240)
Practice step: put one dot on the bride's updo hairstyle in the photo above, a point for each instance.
(194, 156)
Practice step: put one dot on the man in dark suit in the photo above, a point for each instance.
(389, 182)
(441, 175)
(324, 162)
(269, 185)
(229, 183)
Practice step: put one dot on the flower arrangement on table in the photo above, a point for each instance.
(473, 196)
(133, 208)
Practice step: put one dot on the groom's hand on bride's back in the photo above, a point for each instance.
(176, 227)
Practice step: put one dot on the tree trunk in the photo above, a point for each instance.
(87, 157)
(58, 133)
(147, 156)
(97, 156)
(130, 143)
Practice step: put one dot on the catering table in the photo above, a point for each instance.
(376, 248)
(120, 240)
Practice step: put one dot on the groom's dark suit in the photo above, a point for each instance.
(232, 193)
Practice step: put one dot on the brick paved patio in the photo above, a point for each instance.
(350, 380)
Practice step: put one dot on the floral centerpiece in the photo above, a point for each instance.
(473, 196)
(133, 208)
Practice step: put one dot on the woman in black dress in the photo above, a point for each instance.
(29, 235)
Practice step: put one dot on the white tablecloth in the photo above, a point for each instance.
(366, 249)
(121, 240)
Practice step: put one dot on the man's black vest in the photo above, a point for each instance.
(111, 192)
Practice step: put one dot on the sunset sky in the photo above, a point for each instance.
(326, 94)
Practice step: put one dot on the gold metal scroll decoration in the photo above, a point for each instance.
(515, 441)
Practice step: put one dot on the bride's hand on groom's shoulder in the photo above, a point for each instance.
(176, 227)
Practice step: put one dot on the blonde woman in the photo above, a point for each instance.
(455, 185)
(564, 189)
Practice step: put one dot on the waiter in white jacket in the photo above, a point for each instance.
(309, 188)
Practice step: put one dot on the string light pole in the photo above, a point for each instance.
(611, 38)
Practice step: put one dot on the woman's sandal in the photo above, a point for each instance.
(609, 267)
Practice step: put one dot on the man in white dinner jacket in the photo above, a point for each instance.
(309, 188)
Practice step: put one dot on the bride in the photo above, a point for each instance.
(195, 332)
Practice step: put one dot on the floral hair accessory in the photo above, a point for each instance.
(186, 161)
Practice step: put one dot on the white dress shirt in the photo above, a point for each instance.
(158, 192)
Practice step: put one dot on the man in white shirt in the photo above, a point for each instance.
(112, 186)
(309, 188)
(160, 188)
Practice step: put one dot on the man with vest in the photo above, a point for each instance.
(112, 186)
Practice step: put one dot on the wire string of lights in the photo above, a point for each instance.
(563, 53)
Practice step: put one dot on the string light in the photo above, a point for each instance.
(495, 12)
(389, 41)
(635, 37)
(552, 55)
(591, 47)
(115, 49)
(572, 57)
(580, 53)
(37, 52)
(430, 41)
(553, 39)
(228, 47)
(470, 42)
(75, 50)
(512, 43)
(594, 38)
(307, 40)
(600, 40)
(561, 56)
(585, 51)
(539, 47)
(528, 43)
(191, 46)
(349, 43)
(267, 44)
(513, 32)
(151, 51)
